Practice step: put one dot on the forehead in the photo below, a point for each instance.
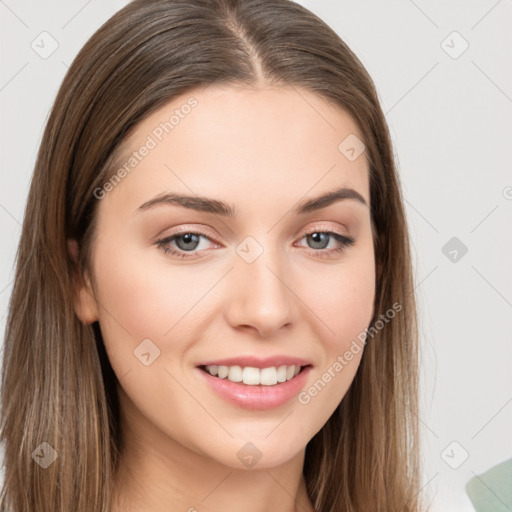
(272, 142)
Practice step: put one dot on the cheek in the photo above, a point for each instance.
(341, 297)
(353, 299)
(126, 296)
(342, 302)
(134, 306)
(139, 303)
(142, 297)
(138, 295)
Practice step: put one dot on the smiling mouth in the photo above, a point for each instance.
(251, 376)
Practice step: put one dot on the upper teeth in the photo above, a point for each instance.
(254, 376)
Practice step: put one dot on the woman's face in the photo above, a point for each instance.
(234, 275)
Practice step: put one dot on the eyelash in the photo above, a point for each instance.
(344, 241)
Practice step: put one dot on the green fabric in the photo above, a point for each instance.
(492, 491)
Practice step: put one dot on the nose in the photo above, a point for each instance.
(260, 295)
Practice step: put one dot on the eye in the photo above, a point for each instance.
(188, 242)
(321, 239)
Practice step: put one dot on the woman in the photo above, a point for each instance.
(273, 363)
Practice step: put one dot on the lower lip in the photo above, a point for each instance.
(257, 397)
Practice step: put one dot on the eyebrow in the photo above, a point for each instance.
(205, 204)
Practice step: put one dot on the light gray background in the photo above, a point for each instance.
(451, 123)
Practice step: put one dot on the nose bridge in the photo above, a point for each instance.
(261, 298)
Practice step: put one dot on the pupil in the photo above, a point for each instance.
(316, 237)
(188, 238)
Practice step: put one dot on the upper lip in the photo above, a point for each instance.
(257, 362)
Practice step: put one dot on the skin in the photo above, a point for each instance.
(262, 150)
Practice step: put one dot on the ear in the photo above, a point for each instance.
(84, 301)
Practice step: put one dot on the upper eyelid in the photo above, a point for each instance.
(319, 227)
(204, 231)
(314, 229)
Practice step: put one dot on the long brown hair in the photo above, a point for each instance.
(57, 384)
